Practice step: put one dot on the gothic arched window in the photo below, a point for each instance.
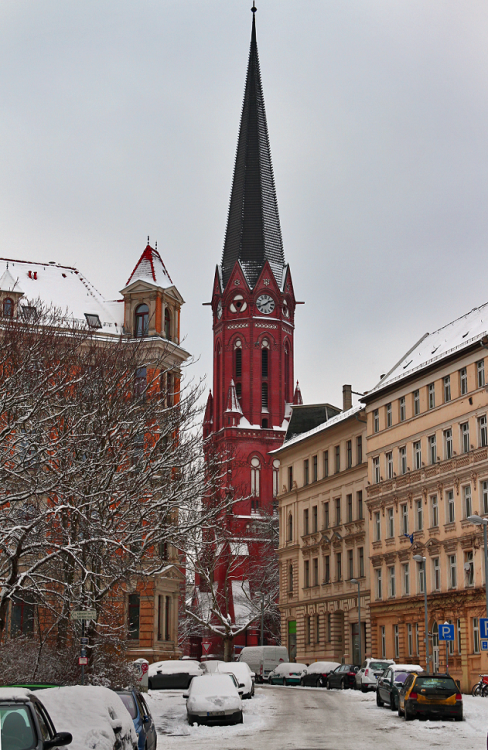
(264, 395)
(276, 476)
(8, 308)
(142, 321)
(255, 471)
(264, 359)
(167, 325)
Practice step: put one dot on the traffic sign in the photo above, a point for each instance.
(446, 632)
(84, 614)
(484, 645)
(206, 646)
(484, 627)
(83, 661)
(84, 640)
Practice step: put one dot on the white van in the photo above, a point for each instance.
(263, 659)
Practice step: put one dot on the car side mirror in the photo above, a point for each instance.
(145, 718)
(186, 695)
(61, 738)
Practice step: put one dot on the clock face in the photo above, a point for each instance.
(265, 304)
(219, 309)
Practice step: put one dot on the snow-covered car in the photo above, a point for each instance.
(26, 723)
(140, 714)
(316, 674)
(370, 670)
(287, 674)
(95, 716)
(214, 699)
(211, 665)
(173, 674)
(242, 673)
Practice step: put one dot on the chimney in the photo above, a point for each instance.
(346, 397)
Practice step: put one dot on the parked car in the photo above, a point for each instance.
(211, 666)
(263, 659)
(316, 674)
(242, 673)
(26, 723)
(430, 695)
(390, 683)
(140, 714)
(371, 669)
(287, 674)
(173, 674)
(343, 677)
(97, 717)
(214, 699)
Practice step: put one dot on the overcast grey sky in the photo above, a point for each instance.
(119, 120)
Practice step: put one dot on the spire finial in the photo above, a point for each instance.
(253, 9)
(148, 239)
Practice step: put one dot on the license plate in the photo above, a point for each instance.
(216, 713)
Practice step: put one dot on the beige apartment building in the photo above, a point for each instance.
(324, 534)
(427, 451)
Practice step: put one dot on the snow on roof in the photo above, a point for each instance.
(10, 693)
(150, 268)
(7, 283)
(433, 347)
(320, 428)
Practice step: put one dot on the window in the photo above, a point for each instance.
(431, 391)
(276, 476)
(480, 371)
(359, 449)
(306, 530)
(164, 618)
(417, 639)
(396, 641)
(447, 444)
(376, 469)
(21, 616)
(167, 325)
(391, 523)
(170, 391)
(306, 572)
(308, 629)
(482, 432)
(447, 388)
(8, 308)
(329, 627)
(264, 362)
(93, 321)
(290, 527)
(417, 454)
(420, 577)
(255, 477)
(389, 465)
(403, 414)
(290, 579)
(463, 381)
(264, 395)
(326, 463)
(379, 584)
(467, 501)
(434, 511)
(238, 360)
(349, 508)
(377, 526)
(350, 563)
(142, 321)
(360, 505)
(420, 515)
(315, 475)
(290, 478)
(464, 437)
(406, 578)
(140, 382)
(383, 642)
(484, 497)
(133, 616)
(337, 459)
(317, 628)
(315, 564)
(326, 516)
(376, 420)
(389, 421)
(391, 581)
(469, 568)
(327, 569)
(315, 520)
(402, 453)
(305, 472)
(450, 506)
(361, 561)
(349, 454)
(409, 639)
(432, 449)
(458, 630)
(416, 402)
(436, 574)
(452, 571)
(476, 636)
(338, 511)
(404, 512)
(339, 566)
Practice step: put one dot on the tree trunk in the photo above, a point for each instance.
(228, 643)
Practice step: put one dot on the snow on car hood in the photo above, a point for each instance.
(91, 714)
(211, 703)
(174, 667)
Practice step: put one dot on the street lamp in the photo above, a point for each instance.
(421, 559)
(483, 522)
(354, 580)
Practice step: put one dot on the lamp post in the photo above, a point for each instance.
(421, 559)
(483, 522)
(354, 580)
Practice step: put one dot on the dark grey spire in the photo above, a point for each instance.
(253, 233)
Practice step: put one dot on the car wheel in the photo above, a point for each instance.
(343, 687)
(408, 715)
(459, 718)
(379, 702)
(329, 686)
(192, 720)
(364, 689)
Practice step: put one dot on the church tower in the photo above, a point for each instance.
(253, 306)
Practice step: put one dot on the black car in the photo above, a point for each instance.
(316, 674)
(343, 677)
(388, 688)
(26, 722)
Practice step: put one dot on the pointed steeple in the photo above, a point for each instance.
(233, 410)
(253, 226)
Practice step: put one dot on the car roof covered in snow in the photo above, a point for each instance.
(16, 694)
(171, 666)
(289, 667)
(322, 666)
(211, 684)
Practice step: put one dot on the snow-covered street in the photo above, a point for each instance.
(307, 718)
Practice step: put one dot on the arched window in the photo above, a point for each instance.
(142, 321)
(290, 527)
(167, 325)
(140, 382)
(255, 483)
(238, 359)
(287, 374)
(276, 476)
(8, 308)
(290, 578)
(264, 395)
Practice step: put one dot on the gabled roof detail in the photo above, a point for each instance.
(8, 284)
(293, 439)
(233, 405)
(253, 232)
(150, 268)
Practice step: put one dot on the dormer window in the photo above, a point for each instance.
(93, 321)
(8, 308)
(142, 321)
(167, 325)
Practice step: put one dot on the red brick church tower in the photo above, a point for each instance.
(253, 305)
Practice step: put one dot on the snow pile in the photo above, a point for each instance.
(91, 714)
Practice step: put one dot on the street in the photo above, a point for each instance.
(309, 718)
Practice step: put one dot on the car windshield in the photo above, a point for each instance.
(129, 702)
(17, 730)
(442, 683)
(213, 685)
(379, 665)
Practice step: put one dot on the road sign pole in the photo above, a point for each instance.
(447, 657)
(81, 652)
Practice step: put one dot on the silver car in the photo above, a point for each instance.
(370, 670)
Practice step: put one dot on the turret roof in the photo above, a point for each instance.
(151, 268)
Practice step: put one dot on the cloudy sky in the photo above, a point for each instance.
(119, 120)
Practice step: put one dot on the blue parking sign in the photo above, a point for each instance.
(484, 645)
(446, 632)
(484, 627)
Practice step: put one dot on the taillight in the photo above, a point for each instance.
(413, 696)
(366, 672)
(351, 674)
(459, 697)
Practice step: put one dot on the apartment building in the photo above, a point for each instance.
(427, 452)
(324, 534)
